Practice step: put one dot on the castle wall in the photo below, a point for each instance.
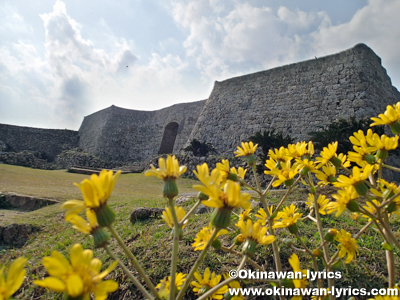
(129, 135)
(49, 142)
(296, 99)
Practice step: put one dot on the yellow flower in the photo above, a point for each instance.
(288, 215)
(234, 285)
(255, 232)
(229, 197)
(390, 117)
(327, 175)
(305, 166)
(371, 208)
(355, 216)
(230, 173)
(239, 172)
(95, 191)
(285, 174)
(348, 245)
(246, 213)
(322, 203)
(262, 216)
(202, 285)
(203, 237)
(343, 198)
(301, 150)
(383, 142)
(298, 283)
(328, 155)
(279, 155)
(15, 277)
(167, 216)
(211, 182)
(356, 179)
(168, 169)
(164, 284)
(248, 148)
(359, 139)
(82, 225)
(80, 277)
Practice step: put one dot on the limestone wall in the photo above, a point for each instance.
(49, 142)
(296, 98)
(121, 134)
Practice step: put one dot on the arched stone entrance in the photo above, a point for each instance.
(168, 140)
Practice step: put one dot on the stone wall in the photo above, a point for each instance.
(120, 134)
(296, 99)
(49, 142)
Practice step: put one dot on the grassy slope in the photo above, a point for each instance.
(150, 240)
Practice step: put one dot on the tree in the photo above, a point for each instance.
(200, 148)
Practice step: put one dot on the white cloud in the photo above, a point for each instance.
(375, 25)
(223, 39)
(76, 77)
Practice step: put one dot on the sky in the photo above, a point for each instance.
(63, 60)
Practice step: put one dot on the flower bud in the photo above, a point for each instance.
(391, 207)
(382, 153)
(317, 253)
(170, 189)
(336, 161)
(221, 217)
(202, 196)
(216, 244)
(293, 228)
(239, 239)
(352, 206)
(369, 158)
(395, 127)
(387, 246)
(100, 237)
(288, 242)
(105, 216)
(361, 188)
(287, 283)
(330, 235)
(332, 179)
(313, 190)
(251, 160)
(233, 177)
(249, 247)
(289, 182)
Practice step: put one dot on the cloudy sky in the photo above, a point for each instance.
(63, 60)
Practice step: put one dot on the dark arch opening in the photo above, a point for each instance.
(168, 140)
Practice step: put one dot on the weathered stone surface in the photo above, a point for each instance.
(201, 209)
(24, 202)
(182, 200)
(142, 213)
(16, 235)
(293, 99)
(49, 142)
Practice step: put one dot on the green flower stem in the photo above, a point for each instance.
(391, 167)
(174, 259)
(252, 262)
(275, 248)
(189, 212)
(134, 261)
(129, 274)
(315, 264)
(225, 282)
(244, 183)
(389, 255)
(197, 263)
(388, 231)
(332, 259)
(256, 177)
(269, 186)
(331, 282)
(389, 200)
(287, 194)
(363, 229)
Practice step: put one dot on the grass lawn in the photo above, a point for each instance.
(150, 240)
